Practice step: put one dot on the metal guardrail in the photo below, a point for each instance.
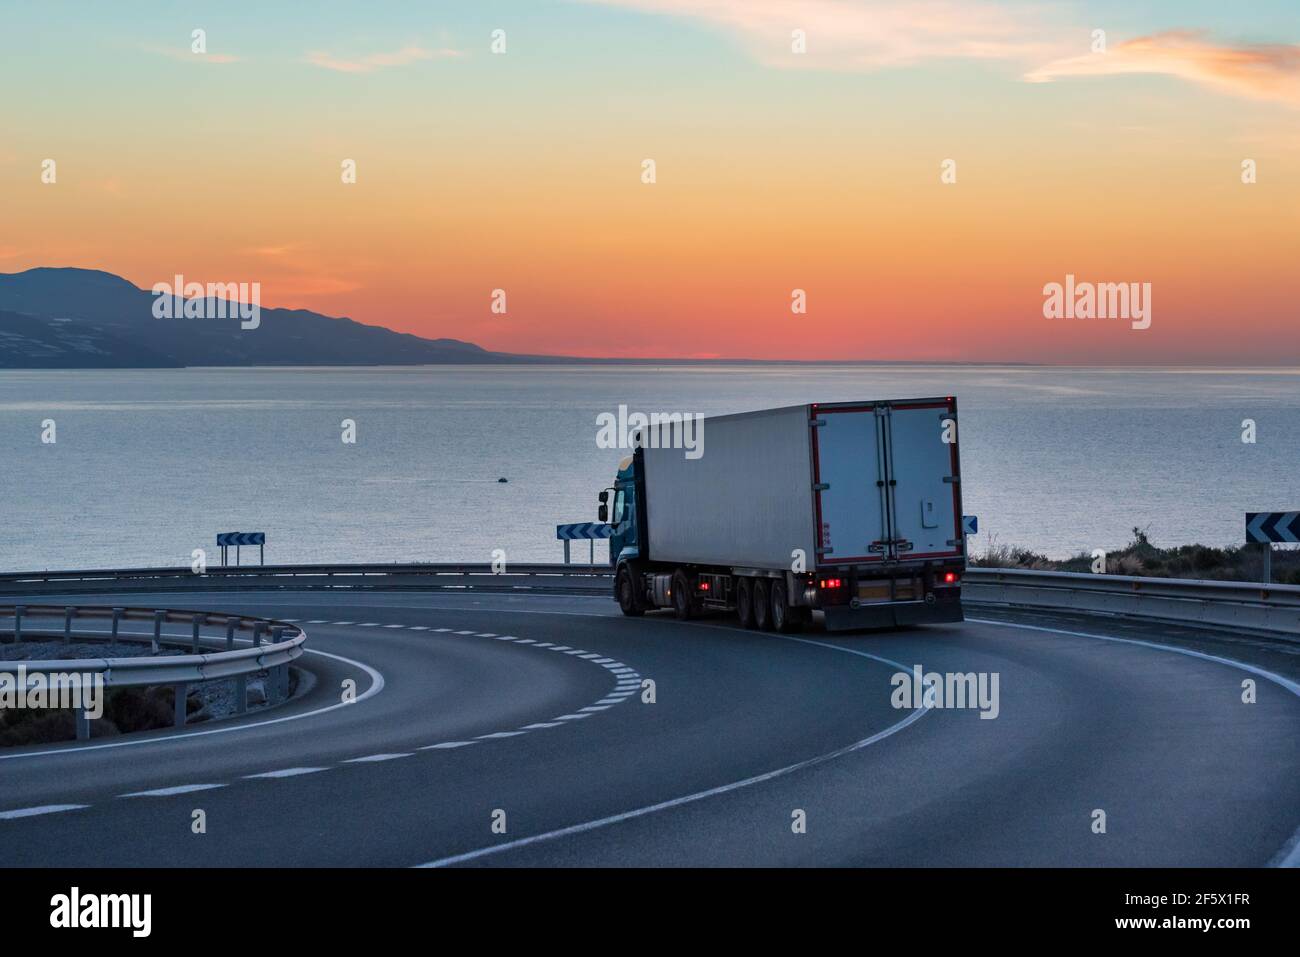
(179, 671)
(1248, 606)
(483, 576)
(1274, 609)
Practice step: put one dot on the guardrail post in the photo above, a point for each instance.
(83, 724)
(68, 612)
(158, 617)
(258, 628)
(117, 616)
(194, 644)
(230, 633)
(19, 611)
(182, 692)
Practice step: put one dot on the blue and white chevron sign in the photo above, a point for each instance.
(970, 524)
(576, 530)
(241, 538)
(1273, 526)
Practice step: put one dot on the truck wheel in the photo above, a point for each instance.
(762, 605)
(683, 600)
(625, 592)
(783, 618)
(745, 602)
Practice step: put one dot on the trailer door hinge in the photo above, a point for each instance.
(825, 551)
(821, 486)
(816, 422)
(954, 541)
(951, 479)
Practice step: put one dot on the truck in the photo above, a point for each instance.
(847, 513)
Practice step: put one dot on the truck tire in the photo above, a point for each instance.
(745, 602)
(625, 592)
(683, 600)
(783, 616)
(762, 605)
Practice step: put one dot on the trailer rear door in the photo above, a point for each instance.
(849, 472)
(925, 503)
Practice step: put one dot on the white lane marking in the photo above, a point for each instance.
(367, 624)
(376, 686)
(442, 630)
(43, 809)
(489, 634)
(373, 758)
(291, 620)
(698, 795)
(464, 632)
(286, 773)
(168, 792)
(544, 644)
(419, 628)
(612, 699)
(524, 641)
(607, 661)
(341, 623)
(319, 621)
(595, 707)
(499, 734)
(559, 647)
(571, 717)
(445, 745)
(1289, 854)
(394, 626)
(541, 724)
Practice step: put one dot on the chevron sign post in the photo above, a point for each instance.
(1270, 527)
(238, 539)
(580, 530)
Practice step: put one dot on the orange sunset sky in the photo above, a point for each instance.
(775, 170)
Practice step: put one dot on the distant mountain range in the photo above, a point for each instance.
(85, 318)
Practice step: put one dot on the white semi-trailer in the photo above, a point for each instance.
(851, 510)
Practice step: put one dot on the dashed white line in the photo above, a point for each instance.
(500, 734)
(43, 809)
(286, 773)
(445, 745)
(373, 758)
(178, 789)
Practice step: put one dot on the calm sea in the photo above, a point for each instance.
(149, 465)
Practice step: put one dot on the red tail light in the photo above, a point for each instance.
(949, 578)
(832, 583)
(704, 586)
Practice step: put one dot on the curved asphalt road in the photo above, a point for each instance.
(457, 721)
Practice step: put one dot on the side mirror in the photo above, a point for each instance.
(603, 496)
(602, 513)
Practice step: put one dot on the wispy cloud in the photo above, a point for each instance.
(1258, 71)
(870, 34)
(376, 61)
